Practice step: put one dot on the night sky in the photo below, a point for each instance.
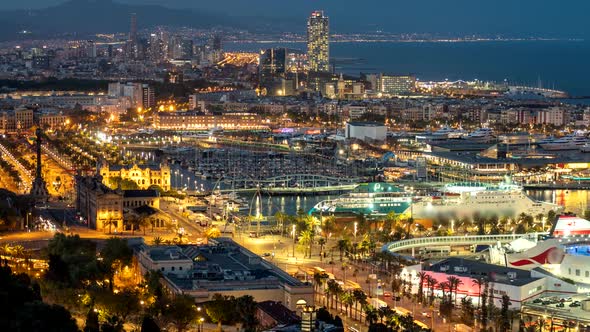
(566, 18)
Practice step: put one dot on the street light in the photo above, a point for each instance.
(355, 229)
(294, 228)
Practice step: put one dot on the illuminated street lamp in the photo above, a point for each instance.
(294, 228)
(355, 230)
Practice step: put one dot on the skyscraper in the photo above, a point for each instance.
(133, 28)
(318, 47)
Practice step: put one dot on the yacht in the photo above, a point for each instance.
(481, 135)
(585, 148)
(457, 200)
(443, 132)
(569, 142)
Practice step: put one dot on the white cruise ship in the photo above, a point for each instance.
(448, 132)
(457, 200)
(569, 142)
(482, 135)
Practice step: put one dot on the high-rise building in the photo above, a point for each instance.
(318, 47)
(396, 84)
(133, 28)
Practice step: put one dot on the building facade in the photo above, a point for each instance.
(318, 46)
(143, 175)
(199, 121)
(99, 205)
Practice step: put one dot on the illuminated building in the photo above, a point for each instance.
(144, 175)
(396, 84)
(104, 208)
(222, 267)
(318, 47)
(277, 71)
(53, 120)
(200, 121)
(13, 120)
(141, 95)
(100, 205)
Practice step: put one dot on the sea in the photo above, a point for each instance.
(555, 64)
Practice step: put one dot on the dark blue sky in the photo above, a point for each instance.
(563, 18)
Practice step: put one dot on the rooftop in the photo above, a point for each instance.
(477, 270)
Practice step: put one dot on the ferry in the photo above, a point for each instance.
(375, 198)
(457, 200)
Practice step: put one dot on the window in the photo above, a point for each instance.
(569, 270)
(180, 268)
(172, 269)
(587, 274)
(577, 272)
(163, 269)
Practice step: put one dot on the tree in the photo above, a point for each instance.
(478, 282)
(217, 309)
(157, 241)
(342, 246)
(212, 233)
(454, 283)
(467, 311)
(92, 324)
(319, 278)
(306, 239)
(360, 299)
(115, 254)
(245, 308)
(422, 277)
(505, 314)
(347, 300)
(370, 314)
(484, 306)
(181, 312)
(149, 325)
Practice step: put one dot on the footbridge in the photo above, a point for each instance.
(425, 242)
(292, 183)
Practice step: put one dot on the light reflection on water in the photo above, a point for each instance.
(575, 201)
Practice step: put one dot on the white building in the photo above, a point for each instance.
(366, 131)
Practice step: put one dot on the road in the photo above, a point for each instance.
(281, 254)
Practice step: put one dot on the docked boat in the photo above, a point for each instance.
(585, 148)
(568, 142)
(376, 198)
(481, 135)
(457, 200)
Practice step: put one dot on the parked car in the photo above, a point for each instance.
(560, 305)
(575, 304)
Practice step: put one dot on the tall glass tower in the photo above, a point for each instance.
(318, 47)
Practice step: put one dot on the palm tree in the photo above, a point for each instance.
(306, 239)
(157, 241)
(384, 312)
(431, 282)
(332, 289)
(454, 283)
(321, 242)
(318, 280)
(370, 314)
(422, 277)
(479, 283)
(281, 217)
(360, 298)
(347, 300)
(342, 246)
